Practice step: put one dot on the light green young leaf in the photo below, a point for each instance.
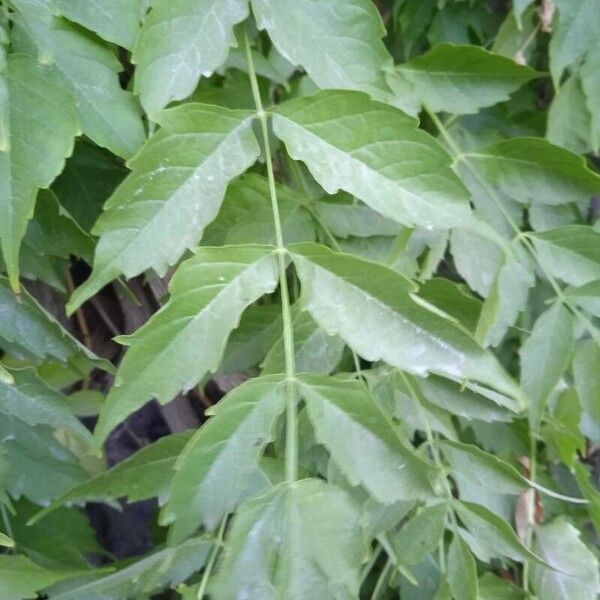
(463, 79)
(145, 474)
(421, 534)
(300, 540)
(493, 532)
(33, 402)
(362, 441)
(217, 470)
(41, 127)
(6, 541)
(346, 140)
(21, 578)
(176, 188)
(209, 293)
(544, 357)
(575, 572)
(462, 572)
(30, 329)
(590, 81)
(534, 171)
(180, 41)
(89, 70)
(576, 30)
(571, 253)
(569, 118)
(339, 45)
(507, 298)
(114, 20)
(164, 568)
(587, 384)
(371, 307)
(315, 350)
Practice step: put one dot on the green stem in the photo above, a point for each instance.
(214, 553)
(291, 440)
(530, 509)
(382, 581)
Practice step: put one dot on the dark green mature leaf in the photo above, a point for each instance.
(372, 307)
(90, 176)
(175, 190)
(576, 31)
(114, 20)
(462, 572)
(157, 571)
(376, 153)
(574, 575)
(209, 293)
(315, 350)
(30, 400)
(217, 469)
(339, 45)
(37, 465)
(534, 171)
(40, 130)
(27, 326)
(544, 357)
(362, 441)
(280, 545)
(463, 79)
(180, 41)
(571, 253)
(89, 70)
(145, 474)
(21, 578)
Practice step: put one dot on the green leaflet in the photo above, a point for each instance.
(224, 455)
(574, 575)
(533, 171)
(421, 534)
(570, 253)
(493, 532)
(339, 45)
(146, 474)
(114, 20)
(279, 546)
(315, 350)
(463, 79)
(39, 136)
(36, 465)
(362, 441)
(89, 71)
(175, 189)
(544, 357)
(30, 400)
(347, 141)
(164, 568)
(371, 307)
(21, 578)
(209, 293)
(587, 384)
(576, 31)
(27, 327)
(180, 41)
(462, 572)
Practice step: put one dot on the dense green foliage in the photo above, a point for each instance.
(383, 217)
